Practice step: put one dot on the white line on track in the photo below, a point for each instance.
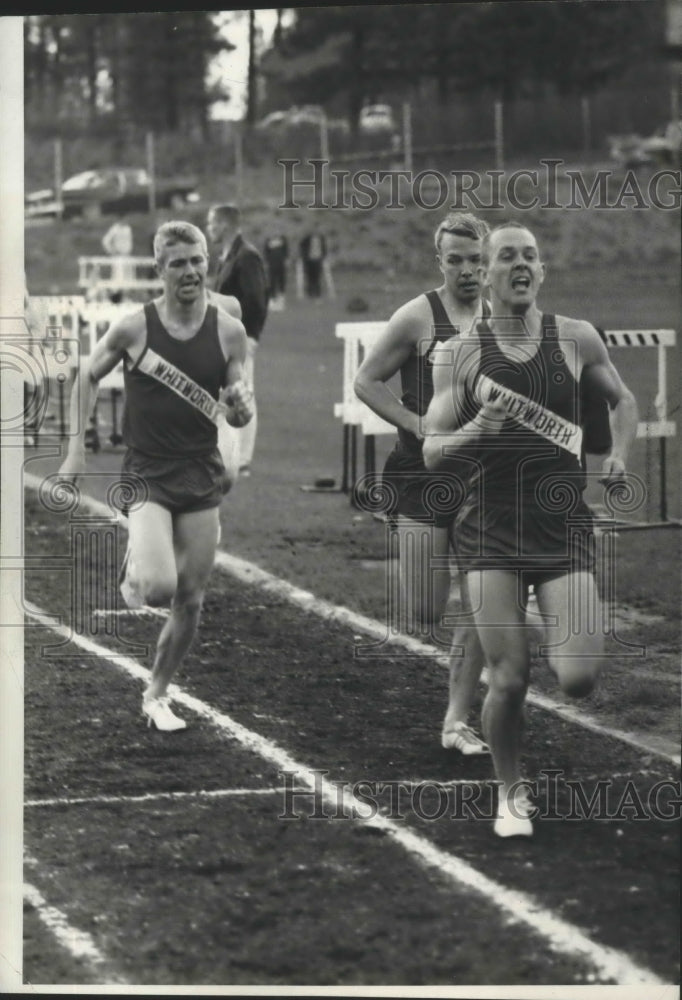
(105, 800)
(249, 573)
(145, 612)
(609, 964)
(220, 793)
(78, 943)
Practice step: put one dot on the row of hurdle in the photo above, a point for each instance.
(359, 420)
(64, 329)
(109, 275)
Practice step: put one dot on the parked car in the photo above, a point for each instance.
(305, 116)
(376, 118)
(112, 190)
(663, 148)
(274, 120)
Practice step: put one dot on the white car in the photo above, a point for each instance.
(274, 120)
(663, 148)
(306, 116)
(376, 118)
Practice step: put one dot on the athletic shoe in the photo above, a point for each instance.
(462, 737)
(158, 713)
(128, 592)
(514, 815)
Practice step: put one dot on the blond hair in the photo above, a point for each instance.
(172, 233)
(461, 224)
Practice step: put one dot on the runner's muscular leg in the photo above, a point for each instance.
(424, 573)
(151, 571)
(574, 630)
(195, 540)
(466, 664)
(499, 611)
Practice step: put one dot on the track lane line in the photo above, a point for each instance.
(250, 573)
(79, 944)
(105, 800)
(610, 965)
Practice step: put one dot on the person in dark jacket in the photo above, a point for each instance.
(313, 251)
(240, 272)
(276, 252)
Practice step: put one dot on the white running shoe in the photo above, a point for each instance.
(159, 714)
(462, 737)
(514, 815)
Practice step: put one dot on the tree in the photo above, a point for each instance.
(156, 65)
(251, 72)
(355, 53)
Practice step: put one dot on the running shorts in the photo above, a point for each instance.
(181, 485)
(544, 544)
(413, 491)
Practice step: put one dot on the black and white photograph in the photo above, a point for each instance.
(341, 500)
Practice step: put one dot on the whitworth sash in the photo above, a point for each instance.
(182, 385)
(533, 416)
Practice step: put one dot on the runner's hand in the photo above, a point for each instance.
(613, 470)
(413, 424)
(492, 415)
(494, 410)
(239, 404)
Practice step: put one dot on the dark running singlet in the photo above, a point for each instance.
(416, 374)
(542, 436)
(158, 418)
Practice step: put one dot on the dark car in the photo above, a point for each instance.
(112, 190)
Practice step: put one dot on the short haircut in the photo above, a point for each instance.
(171, 233)
(512, 224)
(461, 224)
(227, 211)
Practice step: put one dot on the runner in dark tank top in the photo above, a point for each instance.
(507, 406)
(178, 352)
(419, 504)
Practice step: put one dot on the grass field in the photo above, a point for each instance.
(170, 857)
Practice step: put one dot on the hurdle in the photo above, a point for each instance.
(661, 428)
(118, 274)
(354, 414)
(58, 319)
(359, 337)
(98, 317)
(53, 320)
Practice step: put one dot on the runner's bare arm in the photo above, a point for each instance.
(120, 339)
(237, 396)
(445, 425)
(228, 303)
(600, 373)
(386, 357)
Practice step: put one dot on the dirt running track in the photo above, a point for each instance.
(182, 870)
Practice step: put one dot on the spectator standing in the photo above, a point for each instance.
(240, 272)
(313, 253)
(276, 253)
(118, 243)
